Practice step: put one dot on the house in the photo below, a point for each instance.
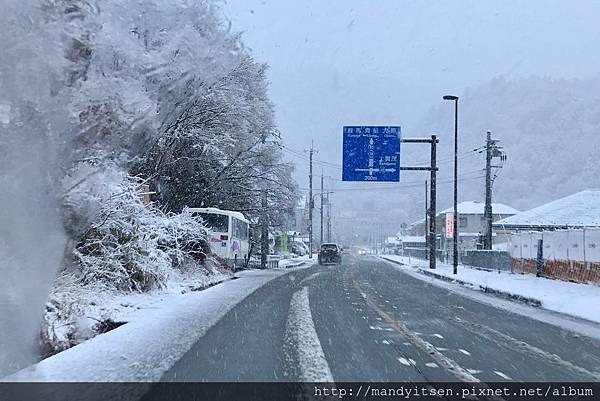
(413, 245)
(577, 211)
(568, 230)
(471, 224)
(299, 221)
(392, 245)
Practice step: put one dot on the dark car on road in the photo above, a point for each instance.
(330, 253)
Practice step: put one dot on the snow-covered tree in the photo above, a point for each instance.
(97, 98)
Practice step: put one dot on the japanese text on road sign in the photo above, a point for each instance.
(371, 153)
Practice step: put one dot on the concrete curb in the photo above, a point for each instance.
(499, 293)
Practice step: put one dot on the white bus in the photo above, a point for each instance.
(229, 233)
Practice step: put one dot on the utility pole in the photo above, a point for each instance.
(487, 241)
(491, 150)
(310, 202)
(432, 208)
(426, 219)
(321, 210)
(328, 219)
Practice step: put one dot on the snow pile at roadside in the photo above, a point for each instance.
(294, 262)
(76, 313)
(575, 299)
(159, 332)
(124, 251)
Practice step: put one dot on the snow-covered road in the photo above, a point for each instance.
(143, 349)
(574, 299)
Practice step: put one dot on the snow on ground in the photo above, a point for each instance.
(158, 334)
(579, 300)
(301, 334)
(75, 313)
(130, 307)
(293, 262)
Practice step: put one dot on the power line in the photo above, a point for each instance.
(463, 174)
(470, 153)
(403, 186)
(315, 161)
(300, 155)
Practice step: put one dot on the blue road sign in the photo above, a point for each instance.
(371, 154)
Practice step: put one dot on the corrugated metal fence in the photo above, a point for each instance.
(572, 255)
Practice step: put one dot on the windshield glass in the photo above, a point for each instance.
(216, 222)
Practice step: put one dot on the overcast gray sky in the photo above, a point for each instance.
(346, 62)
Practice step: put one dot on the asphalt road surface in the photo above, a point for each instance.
(366, 320)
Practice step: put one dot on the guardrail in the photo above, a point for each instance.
(254, 263)
(491, 259)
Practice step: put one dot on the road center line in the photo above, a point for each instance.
(442, 360)
(301, 334)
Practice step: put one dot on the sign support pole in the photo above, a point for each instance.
(378, 150)
(431, 231)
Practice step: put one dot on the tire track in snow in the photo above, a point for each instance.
(512, 343)
(440, 359)
(300, 333)
(446, 363)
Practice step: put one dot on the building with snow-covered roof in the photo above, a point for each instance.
(392, 245)
(478, 208)
(579, 210)
(298, 222)
(413, 245)
(471, 223)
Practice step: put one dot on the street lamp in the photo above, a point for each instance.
(455, 228)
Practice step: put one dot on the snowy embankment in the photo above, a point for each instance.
(294, 262)
(574, 299)
(156, 336)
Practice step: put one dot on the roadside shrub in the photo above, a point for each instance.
(121, 243)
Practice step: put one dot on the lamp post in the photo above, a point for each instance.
(455, 228)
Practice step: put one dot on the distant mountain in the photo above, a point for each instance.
(550, 130)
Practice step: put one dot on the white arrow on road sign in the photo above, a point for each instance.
(377, 170)
(375, 149)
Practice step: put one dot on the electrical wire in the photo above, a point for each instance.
(413, 184)
(326, 164)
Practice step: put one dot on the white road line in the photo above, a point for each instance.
(502, 375)
(312, 276)
(442, 360)
(404, 361)
(300, 332)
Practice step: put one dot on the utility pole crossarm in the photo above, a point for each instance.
(417, 168)
(419, 140)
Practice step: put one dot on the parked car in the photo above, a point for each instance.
(330, 253)
(299, 248)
